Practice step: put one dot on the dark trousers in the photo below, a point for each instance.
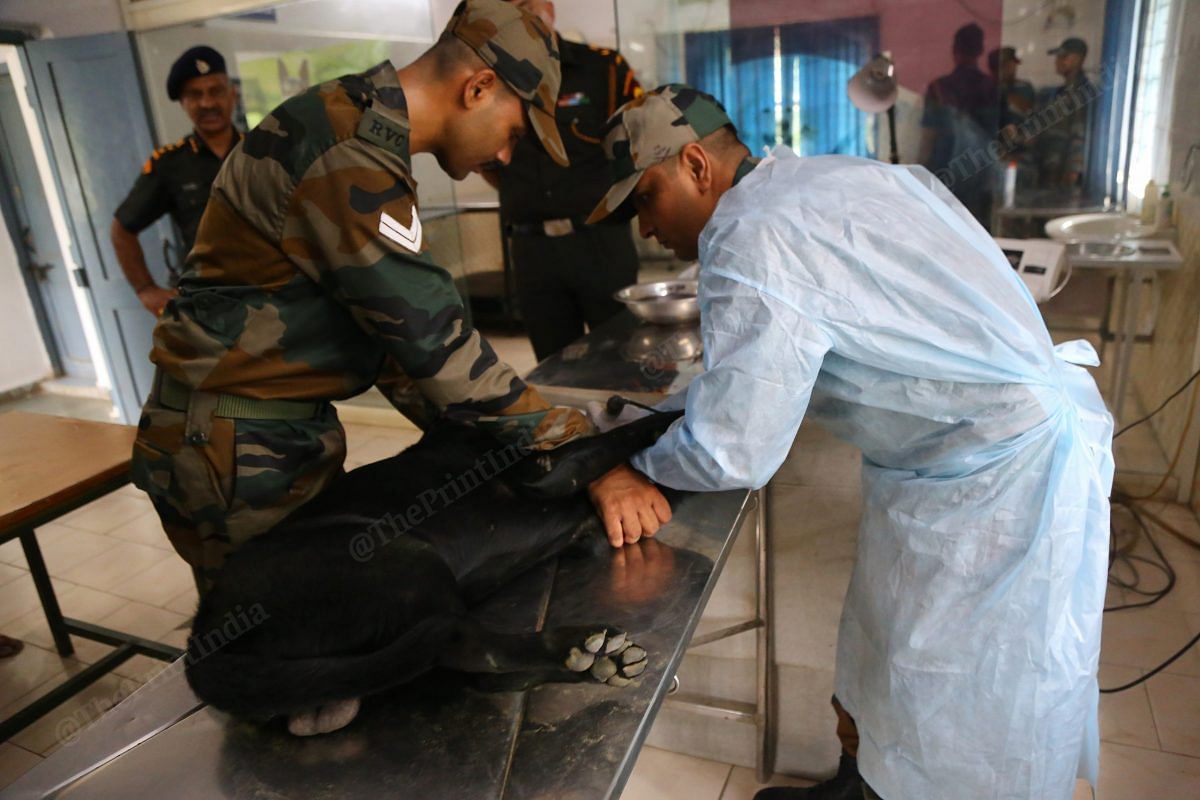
(847, 732)
(565, 282)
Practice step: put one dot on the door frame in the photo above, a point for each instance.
(13, 57)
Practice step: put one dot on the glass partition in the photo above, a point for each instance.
(277, 52)
(982, 101)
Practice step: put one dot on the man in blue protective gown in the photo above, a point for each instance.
(866, 297)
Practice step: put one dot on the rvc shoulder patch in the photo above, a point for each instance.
(386, 133)
(407, 236)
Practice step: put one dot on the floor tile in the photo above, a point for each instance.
(85, 603)
(663, 775)
(67, 720)
(743, 784)
(101, 516)
(117, 565)
(9, 573)
(141, 668)
(158, 585)
(17, 598)
(1131, 773)
(357, 434)
(1176, 703)
(1125, 717)
(67, 551)
(176, 637)
(11, 553)
(382, 447)
(185, 602)
(146, 529)
(59, 405)
(148, 622)
(31, 668)
(15, 762)
(1145, 637)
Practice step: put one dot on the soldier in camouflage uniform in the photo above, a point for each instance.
(309, 282)
(1062, 148)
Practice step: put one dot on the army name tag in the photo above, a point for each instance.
(386, 133)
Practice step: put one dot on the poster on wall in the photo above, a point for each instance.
(268, 80)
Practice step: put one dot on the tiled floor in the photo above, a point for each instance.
(111, 565)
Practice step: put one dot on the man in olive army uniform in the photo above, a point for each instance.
(309, 282)
(567, 271)
(177, 178)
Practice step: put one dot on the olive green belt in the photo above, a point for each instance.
(177, 396)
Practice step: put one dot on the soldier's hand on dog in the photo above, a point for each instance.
(630, 505)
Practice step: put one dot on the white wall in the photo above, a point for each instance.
(64, 17)
(23, 358)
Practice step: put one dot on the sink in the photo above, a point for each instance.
(1097, 228)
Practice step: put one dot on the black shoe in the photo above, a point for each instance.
(846, 785)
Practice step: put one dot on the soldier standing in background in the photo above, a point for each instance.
(309, 282)
(176, 179)
(566, 272)
(960, 118)
(1062, 148)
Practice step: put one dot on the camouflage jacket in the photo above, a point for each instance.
(309, 279)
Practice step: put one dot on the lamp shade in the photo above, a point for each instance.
(873, 88)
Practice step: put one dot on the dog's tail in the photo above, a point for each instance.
(570, 468)
(262, 687)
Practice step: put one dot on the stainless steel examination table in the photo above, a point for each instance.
(441, 736)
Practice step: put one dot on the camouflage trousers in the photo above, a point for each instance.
(217, 482)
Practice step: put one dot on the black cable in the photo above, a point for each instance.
(1124, 555)
(1154, 671)
(1126, 558)
(1177, 392)
(616, 404)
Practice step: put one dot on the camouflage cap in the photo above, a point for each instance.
(524, 53)
(649, 130)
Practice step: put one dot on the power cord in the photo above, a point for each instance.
(1122, 559)
(1174, 394)
(1122, 555)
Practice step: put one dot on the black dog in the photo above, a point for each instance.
(368, 586)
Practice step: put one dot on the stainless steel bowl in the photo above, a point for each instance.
(662, 302)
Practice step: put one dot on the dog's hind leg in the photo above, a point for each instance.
(568, 654)
(325, 718)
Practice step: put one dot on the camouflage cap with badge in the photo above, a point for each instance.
(524, 53)
(648, 131)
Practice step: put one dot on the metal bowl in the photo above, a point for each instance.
(663, 344)
(662, 302)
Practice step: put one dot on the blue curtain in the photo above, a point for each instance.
(1117, 55)
(738, 68)
(823, 56)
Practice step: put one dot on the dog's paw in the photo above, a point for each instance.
(323, 719)
(608, 656)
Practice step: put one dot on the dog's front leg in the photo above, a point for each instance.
(588, 652)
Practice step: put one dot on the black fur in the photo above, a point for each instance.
(303, 615)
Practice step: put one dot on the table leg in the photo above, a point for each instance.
(1129, 325)
(765, 761)
(45, 590)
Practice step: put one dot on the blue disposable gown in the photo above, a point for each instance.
(866, 297)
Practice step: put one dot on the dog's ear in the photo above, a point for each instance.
(570, 468)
